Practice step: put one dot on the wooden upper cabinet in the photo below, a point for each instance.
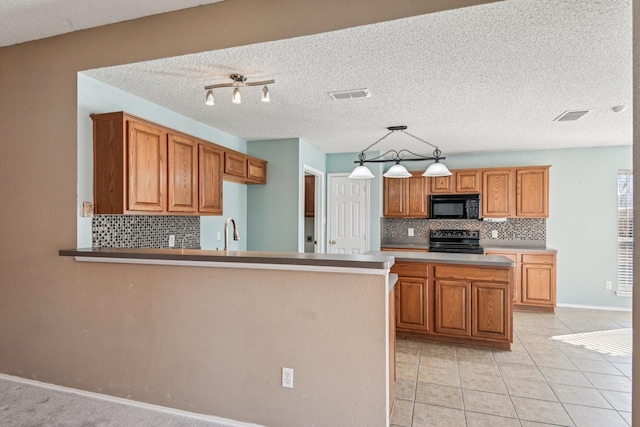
(406, 197)
(460, 181)
(147, 168)
(256, 171)
(183, 174)
(468, 181)
(441, 184)
(498, 193)
(241, 168)
(210, 160)
(394, 200)
(235, 164)
(416, 189)
(532, 192)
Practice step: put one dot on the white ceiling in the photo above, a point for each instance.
(485, 78)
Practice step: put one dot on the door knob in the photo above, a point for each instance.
(333, 242)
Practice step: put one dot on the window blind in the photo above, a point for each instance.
(625, 229)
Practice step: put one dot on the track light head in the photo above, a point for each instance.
(209, 98)
(265, 94)
(236, 98)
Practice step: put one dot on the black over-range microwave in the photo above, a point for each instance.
(454, 206)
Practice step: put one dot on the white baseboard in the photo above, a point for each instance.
(594, 307)
(222, 421)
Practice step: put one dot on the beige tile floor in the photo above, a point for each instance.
(541, 382)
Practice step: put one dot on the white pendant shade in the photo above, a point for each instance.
(209, 98)
(361, 172)
(437, 169)
(397, 171)
(236, 99)
(265, 94)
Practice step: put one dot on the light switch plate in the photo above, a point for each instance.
(494, 234)
(411, 232)
(87, 209)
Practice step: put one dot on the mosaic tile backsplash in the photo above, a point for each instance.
(144, 231)
(512, 229)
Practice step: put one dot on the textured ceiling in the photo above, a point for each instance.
(484, 78)
(26, 20)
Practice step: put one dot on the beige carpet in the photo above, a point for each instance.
(26, 405)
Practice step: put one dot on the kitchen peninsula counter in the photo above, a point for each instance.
(374, 261)
(205, 312)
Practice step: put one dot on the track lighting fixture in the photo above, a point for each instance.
(238, 81)
(398, 170)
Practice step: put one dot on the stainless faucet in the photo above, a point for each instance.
(236, 235)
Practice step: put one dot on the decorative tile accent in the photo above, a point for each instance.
(144, 231)
(512, 229)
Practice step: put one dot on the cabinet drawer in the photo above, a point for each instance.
(410, 269)
(472, 273)
(538, 258)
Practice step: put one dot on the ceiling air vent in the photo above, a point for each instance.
(350, 94)
(571, 116)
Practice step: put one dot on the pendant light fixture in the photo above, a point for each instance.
(238, 81)
(398, 156)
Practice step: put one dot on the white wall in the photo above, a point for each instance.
(97, 97)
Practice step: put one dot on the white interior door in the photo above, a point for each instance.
(348, 204)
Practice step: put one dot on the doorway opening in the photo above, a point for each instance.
(312, 236)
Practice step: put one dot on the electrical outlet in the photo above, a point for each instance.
(494, 234)
(608, 285)
(172, 240)
(287, 377)
(218, 236)
(410, 232)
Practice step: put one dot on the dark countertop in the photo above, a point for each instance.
(448, 258)
(377, 261)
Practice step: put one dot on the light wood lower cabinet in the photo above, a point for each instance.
(535, 279)
(455, 303)
(453, 307)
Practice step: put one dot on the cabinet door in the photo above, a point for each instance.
(441, 184)
(538, 284)
(491, 310)
(309, 195)
(183, 174)
(394, 197)
(498, 193)
(257, 171)
(412, 304)
(416, 195)
(532, 192)
(453, 307)
(235, 164)
(147, 168)
(468, 181)
(210, 161)
(516, 290)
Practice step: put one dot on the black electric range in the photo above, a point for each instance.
(455, 241)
